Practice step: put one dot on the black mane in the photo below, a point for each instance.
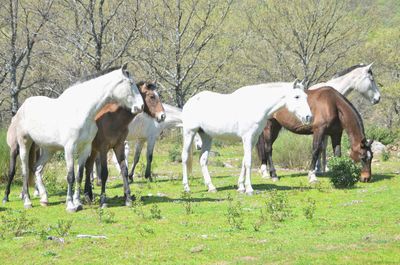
(149, 85)
(348, 70)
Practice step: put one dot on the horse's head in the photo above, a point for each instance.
(296, 102)
(363, 153)
(366, 85)
(152, 101)
(126, 92)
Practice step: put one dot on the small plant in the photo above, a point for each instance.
(261, 221)
(385, 155)
(174, 154)
(62, 227)
(277, 206)
(155, 212)
(187, 202)
(105, 216)
(234, 214)
(309, 209)
(16, 225)
(344, 173)
(138, 204)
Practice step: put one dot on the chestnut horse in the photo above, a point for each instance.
(332, 113)
(113, 122)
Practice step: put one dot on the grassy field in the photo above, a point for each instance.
(288, 222)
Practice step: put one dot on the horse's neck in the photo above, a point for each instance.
(89, 97)
(351, 121)
(173, 117)
(343, 84)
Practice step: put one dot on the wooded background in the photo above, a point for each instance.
(193, 45)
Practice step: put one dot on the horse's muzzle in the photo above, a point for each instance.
(137, 110)
(308, 119)
(161, 117)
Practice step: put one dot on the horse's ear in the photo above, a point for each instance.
(296, 83)
(369, 66)
(369, 142)
(124, 66)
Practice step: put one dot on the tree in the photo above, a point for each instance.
(24, 22)
(302, 38)
(180, 38)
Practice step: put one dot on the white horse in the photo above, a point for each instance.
(68, 123)
(241, 115)
(359, 78)
(144, 129)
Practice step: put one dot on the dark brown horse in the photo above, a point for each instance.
(112, 122)
(332, 113)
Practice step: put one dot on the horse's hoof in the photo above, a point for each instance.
(5, 200)
(79, 207)
(249, 193)
(213, 190)
(241, 190)
(104, 206)
(36, 194)
(28, 205)
(265, 177)
(128, 203)
(313, 181)
(44, 203)
(71, 210)
(88, 199)
(275, 179)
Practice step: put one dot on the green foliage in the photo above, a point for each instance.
(385, 155)
(309, 208)
(277, 206)
(155, 212)
(187, 202)
(381, 134)
(15, 223)
(344, 173)
(105, 215)
(62, 227)
(234, 214)
(174, 154)
(291, 150)
(4, 155)
(138, 204)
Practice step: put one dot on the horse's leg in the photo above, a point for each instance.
(83, 156)
(187, 157)
(11, 171)
(336, 144)
(247, 145)
(120, 155)
(69, 159)
(317, 145)
(321, 162)
(262, 155)
(44, 157)
(104, 176)
(97, 176)
(205, 151)
(89, 173)
(138, 149)
(149, 157)
(126, 152)
(241, 187)
(24, 149)
(274, 130)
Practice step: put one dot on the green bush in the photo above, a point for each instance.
(344, 173)
(381, 134)
(4, 155)
(292, 151)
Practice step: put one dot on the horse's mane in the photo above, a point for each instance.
(348, 70)
(97, 74)
(358, 116)
(149, 85)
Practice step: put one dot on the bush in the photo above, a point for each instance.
(4, 155)
(381, 134)
(344, 173)
(292, 151)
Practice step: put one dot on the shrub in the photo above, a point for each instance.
(381, 134)
(344, 173)
(278, 207)
(289, 150)
(385, 155)
(234, 214)
(4, 154)
(174, 154)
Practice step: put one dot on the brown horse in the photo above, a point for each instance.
(332, 113)
(112, 122)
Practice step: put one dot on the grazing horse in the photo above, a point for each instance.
(112, 122)
(68, 123)
(358, 78)
(332, 113)
(239, 115)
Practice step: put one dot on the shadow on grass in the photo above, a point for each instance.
(380, 177)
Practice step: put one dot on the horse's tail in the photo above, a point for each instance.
(32, 161)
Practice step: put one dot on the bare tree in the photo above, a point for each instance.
(303, 38)
(94, 34)
(180, 41)
(24, 23)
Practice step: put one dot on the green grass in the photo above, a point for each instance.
(349, 226)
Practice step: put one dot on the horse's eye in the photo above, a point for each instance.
(297, 97)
